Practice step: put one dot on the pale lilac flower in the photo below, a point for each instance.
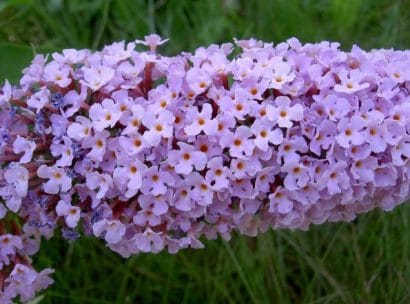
(241, 168)
(161, 98)
(280, 201)
(147, 214)
(186, 159)
(281, 74)
(129, 176)
(335, 178)
(202, 192)
(375, 136)
(9, 244)
(131, 71)
(398, 72)
(238, 105)
(25, 282)
(350, 132)
(150, 241)
(160, 125)
(133, 122)
(283, 114)
(133, 145)
(363, 170)
(5, 94)
(58, 180)
(210, 148)
(217, 174)
(198, 80)
(96, 77)
(74, 101)
(289, 149)
(65, 150)
(70, 213)
(111, 230)
(152, 41)
(400, 113)
(359, 152)
(98, 144)
(262, 129)
(80, 129)
(385, 175)
(225, 123)
(323, 137)
(32, 74)
(104, 115)
(124, 103)
(117, 51)
(401, 152)
(182, 199)
(11, 198)
(336, 107)
(242, 68)
(201, 121)
(255, 88)
(17, 176)
(156, 182)
(39, 100)
(238, 143)
(297, 175)
(57, 73)
(265, 177)
(70, 56)
(351, 82)
(387, 89)
(23, 145)
(100, 182)
(242, 188)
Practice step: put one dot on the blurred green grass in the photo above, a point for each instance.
(367, 261)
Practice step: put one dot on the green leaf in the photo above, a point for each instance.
(13, 58)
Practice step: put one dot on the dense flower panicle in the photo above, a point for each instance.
(149, 152)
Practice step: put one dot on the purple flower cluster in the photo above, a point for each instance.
(149, 152)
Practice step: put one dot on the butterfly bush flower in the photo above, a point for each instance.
(159, 125)
(111, 230)
(186, 159)
(65, 150)
(96, 77)
(5, 94)
(100, 182)
(351, 82)
(104, 115)
(201, 122)
(70, 213)
(23, 145)
(128, 175)
(283, 114)
(39, 99)
(16, 179)
(57, 179)
(261, 129)
(239, 143)
(148, 152)
(282, 74)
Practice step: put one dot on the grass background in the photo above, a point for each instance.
(367, 261)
